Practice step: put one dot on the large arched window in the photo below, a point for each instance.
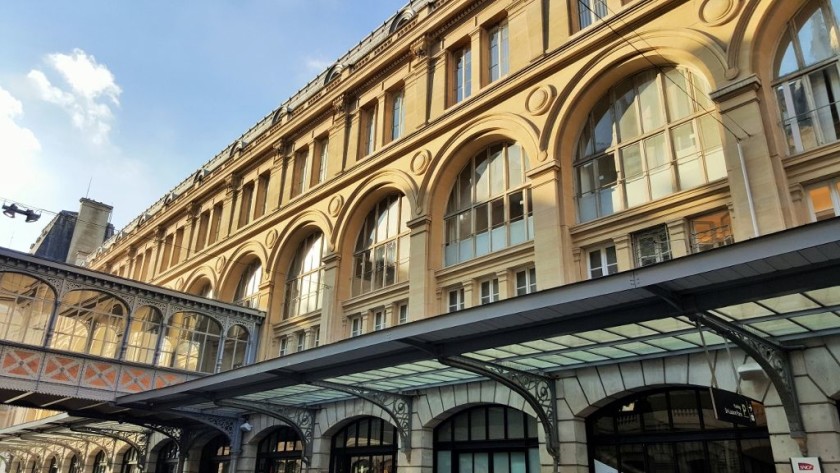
(191, 342)
(143, 335)
(492, 439)
(280, 451)
(675, 429)
(381, 256)
(367, 445)
(215, 456)
(489, 207)
(167, 459)
(650, 136)
(131, 461)
(248, 290)
(25, 307)
(89, 322)
(236, 348)
(100, 464)
(304, 289)
(807, 79)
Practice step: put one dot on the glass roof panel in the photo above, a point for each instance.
(821, 321)
(632, 330)
(669, 324)
(495, 353)
(711, 338)
(610, 352)
(543, 345)
(584, 355)
(559, 360)
(789, 303)
(640, 348)
(828, 296)
(779, 327)
(750, 310)
(536, 363)
(600, 336)
(519, 349)
(570, 341)
(672, 343)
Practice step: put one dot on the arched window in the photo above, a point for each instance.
(368, 445)
(304, 289)
(650, 136)
(248, 290)
(280, 452)
(88, 322)
(100, 464)
(53, 468)
(807, 79)
(675, 429)
(167, 459)
(131, 461)
(381, 256)
(143, 335)
(192, 342)
(74, 465)
(215, 456)
(492, 439)
(489, 207)
(25, 307)
(236, 347)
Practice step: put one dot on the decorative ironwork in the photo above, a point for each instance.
(227, 425)
(137, 440)
(398, 406)
(77, 449)
(300, 419)
(539, 391)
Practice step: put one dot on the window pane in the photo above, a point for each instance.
(482, 178)
(659, 167)
(826, 91)
(497, 172)
(814, 39)
(496, 422)
(652, 116)
(712, 148)
(501, 462)
(514, 165)
(603, 125)
(625, 109)
(478, 425)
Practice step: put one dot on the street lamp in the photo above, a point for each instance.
(11, 210)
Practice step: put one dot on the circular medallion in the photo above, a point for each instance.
(420, 162)
(539, 99)
(335, 205)
(271, 238)
(718, 12)
(220, 264)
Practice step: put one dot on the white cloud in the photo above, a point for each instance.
(19, 143)
(92, 92)
(317, 64)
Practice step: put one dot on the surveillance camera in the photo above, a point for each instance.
(246, 427)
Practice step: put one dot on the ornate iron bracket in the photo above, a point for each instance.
(772, 357)
(137, 440)
(398, 406)
(539, 391)
(227, 425)
(300, 419)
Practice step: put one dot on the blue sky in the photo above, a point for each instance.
(132, 96)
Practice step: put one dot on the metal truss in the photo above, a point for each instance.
(300, 419)
(772, 357)
(137, 440)
(227, 425)
(539, 391)
(398, 406)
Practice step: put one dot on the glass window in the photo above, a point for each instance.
(236, 348)
(316, 336)
(301, 341)
(191, 342)
(490, 206)
(378, 320)
(590, 11)
(130, 462)
(498, 54)
(355, 326)
(824, 200)
(402, 310)
(100, 464)
(367, 445)
(301, 172)
(652, 135)
(526, 281)
(143, 335)
(675, 429)
(89, 322)
(808, 83)
(248, 290)
(215, 456)
(652, 246)
(368, 129)
(382, 247)
(304, 289)
(602, 261)
(167, 460)
(489, 291)
(711, 230)
(26, 304)
(280, 452)
(284, 346)
(397, 114)
(462, 72)
(323, 147)
(456, 299)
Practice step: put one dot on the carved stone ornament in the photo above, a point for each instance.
(271, 238)
(335, 204)
(540, 99)
(220, 264)
(420, 162)
(420, 47)
(718, 12)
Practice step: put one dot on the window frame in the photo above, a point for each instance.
(367, 129)
(660, 255)
(530, 278)
(488, 290)
(497, 51)
(461, 73)
(605, 267)
(455, 299)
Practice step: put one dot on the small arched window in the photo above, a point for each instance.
(131, 461)
(382, 248)
(489, 207)
(215, 456)
(248, 290)
(807, 79)
(650, 136)
(88, 322)
(236, 348)
(25, 307)
(74, 465)
(191, 342)
(304, 289)
(280, 451)
(367, 445)
(143, 335)
(100, 464)
(53, 468)
(167, 460)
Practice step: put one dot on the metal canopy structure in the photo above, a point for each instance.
(761, 294)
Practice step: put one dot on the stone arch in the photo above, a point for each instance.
(566, 118)
(401, 19)
(198, 275)
(293, 233)
(330, 420)
(767, 21)
(236, 265)
(444, 402)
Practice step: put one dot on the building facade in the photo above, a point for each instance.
(469, 153)
(73, 236)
